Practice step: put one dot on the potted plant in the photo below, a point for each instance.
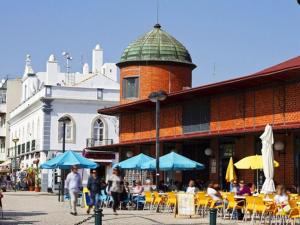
(30, 178)
(37, 180)
(37, 174)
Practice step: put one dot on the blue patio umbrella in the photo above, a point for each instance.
(134, 163)
(67, 160)
(173, 161)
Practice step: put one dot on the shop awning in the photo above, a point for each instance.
(5, 166)
(103, 157)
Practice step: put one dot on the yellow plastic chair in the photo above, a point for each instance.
(158, 200)
(202, 202)
(219, 205)
(294, 213)
(149, 198)
(250, 207)
(293, 196)
(233, 205)
(261, 209)
(171, 201)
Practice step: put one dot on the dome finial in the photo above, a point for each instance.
(158, 26)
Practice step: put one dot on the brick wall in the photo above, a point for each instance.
(245, 146)
(230, 112)
(254, 108)
(169, 78)
(284, 174)
(141, 126)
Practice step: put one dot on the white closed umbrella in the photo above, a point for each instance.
(268, 159)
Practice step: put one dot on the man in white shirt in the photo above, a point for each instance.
(74, 185)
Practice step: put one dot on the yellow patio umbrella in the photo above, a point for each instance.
(253, 162)
(230, 173)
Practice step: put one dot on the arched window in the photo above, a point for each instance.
(28, 131)
(98, 130)
(38, 129)
(70, 130)
(33, 130)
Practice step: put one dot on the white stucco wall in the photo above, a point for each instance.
(83, 114)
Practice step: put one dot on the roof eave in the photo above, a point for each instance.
(155, 62)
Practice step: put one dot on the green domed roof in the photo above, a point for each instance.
(156, 45)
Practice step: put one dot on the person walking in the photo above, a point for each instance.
(74, 185)
(94, 187)
(115, 188)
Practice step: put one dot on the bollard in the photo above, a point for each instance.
(98, 216)
(212, 216)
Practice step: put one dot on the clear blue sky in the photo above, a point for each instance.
(238, 36)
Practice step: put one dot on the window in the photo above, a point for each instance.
(98, 130)
(70, 131)
(196, 116)
(25, 92)
(33, 145)
(38, 129)
(19, 150)
(2, 147)
(131, 87)
(99, 93)
(32, 130)
(23, 148)
(227, 150)
(28, 146)
(2, 96)
(28, 131)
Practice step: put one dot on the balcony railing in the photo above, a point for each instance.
(92, 142)
(24, 148)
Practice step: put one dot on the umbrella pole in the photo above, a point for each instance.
(141, 177)
(257, 180)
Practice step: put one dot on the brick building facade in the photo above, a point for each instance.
(226, 117)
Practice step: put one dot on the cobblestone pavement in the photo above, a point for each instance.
(44, 209)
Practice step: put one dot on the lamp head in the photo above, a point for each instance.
(158, 96)
(15, 140)
(64, 119)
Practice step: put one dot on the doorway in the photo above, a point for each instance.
(195, 151)
(227, 150)
(101, 171)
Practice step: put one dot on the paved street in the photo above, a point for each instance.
(42, 208)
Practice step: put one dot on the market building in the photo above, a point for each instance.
(209, 123)
(48, 96)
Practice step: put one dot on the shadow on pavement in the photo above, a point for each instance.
(11, 217)
(3, 222)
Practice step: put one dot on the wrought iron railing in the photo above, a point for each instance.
(92, 142)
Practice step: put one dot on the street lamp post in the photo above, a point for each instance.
(63, 120)
(157, 97)
(15, 140)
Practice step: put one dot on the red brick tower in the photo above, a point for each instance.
(156, 61)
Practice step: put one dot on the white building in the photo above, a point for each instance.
(9, 98)
(48, 96)
(2, 119)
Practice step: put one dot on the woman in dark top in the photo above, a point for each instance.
(94, 186)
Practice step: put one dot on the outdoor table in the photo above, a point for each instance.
(162, 193)
(241, 197)
(268, 200)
